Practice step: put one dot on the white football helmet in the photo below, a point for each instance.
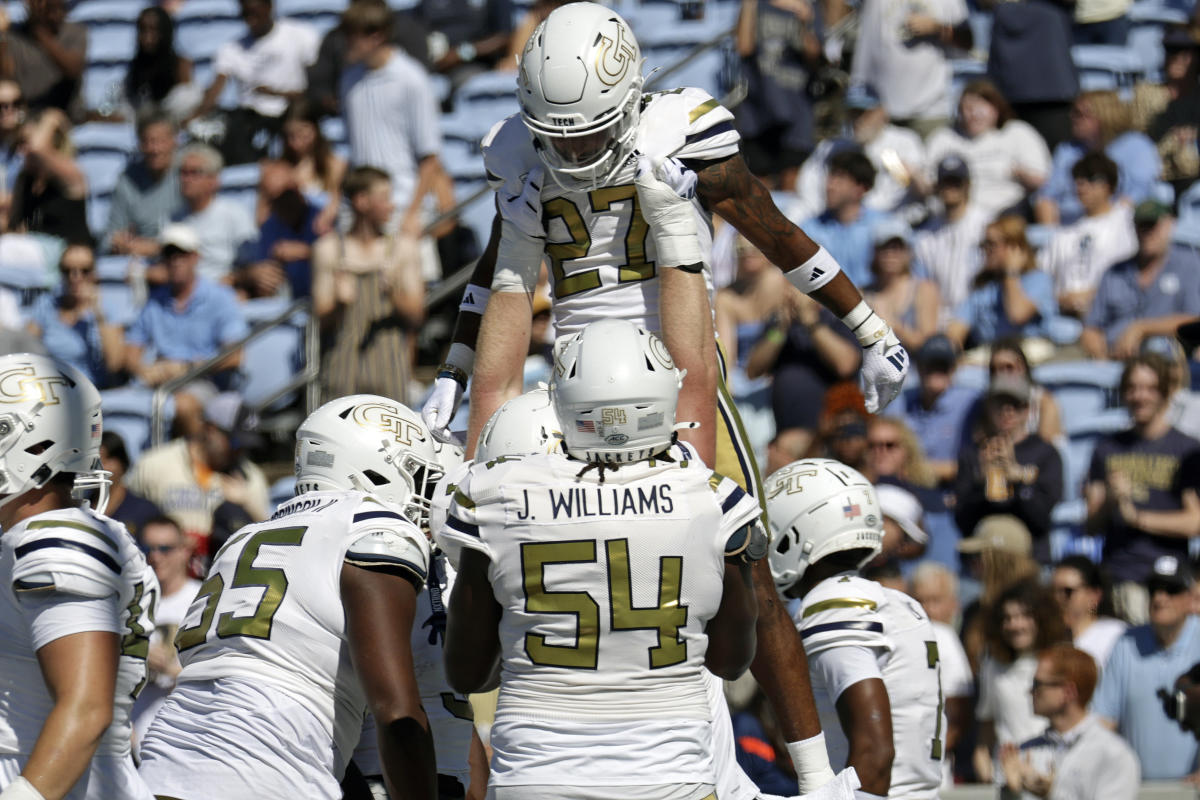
(524, 425)
(49, 423)
(614, 389)
(580, 87)
(371, 444)
(817, 507)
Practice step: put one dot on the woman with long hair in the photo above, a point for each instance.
(1081, 591)
(909, 303)
(1011, 296)
(1008, 358)
(315, 169)
(156, 68)
(895, 455)
(1007, 158)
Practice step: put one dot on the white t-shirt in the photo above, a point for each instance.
(278, 61)
(1099, 638)
(1079, 254)
(991, 159)
(1004, 699)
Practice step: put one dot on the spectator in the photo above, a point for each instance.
(747, 306)
(12, 116)
(936, 410)
(779, 48)
(1148, 295)
(71, 323)
(1179, 73)
(908, 303)
(190, 477)
(130, 509)
(896, 153)
(1183, 409)
(1045, 418)
(1007, 469)
(368, 295)
(147, 193)
(1006, 157)
(1079, 587)
(844, 227)
(1030, 62)
(1148, 658)
(1076, 756)
(902, 52)
(316, 171)
(466, 37)
(168, 552)
(269, 66)
(1010, 296)
(904, 536)
(1023, 622)
(894, 455)
(281, 254)
(935, 587)
(221, 225)
(184, 323)
(156, 69)
(46, 55)
(1142, 487)
(1100, 121)
(391, 116)
(842, 429)
(50, 189)
(807, 352)
(1102, 21)
(1080, 253)
(997, 555)
(947, 247)
(1174, 129)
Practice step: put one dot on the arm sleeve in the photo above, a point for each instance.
(461, 528)
(839, 668)
(383, 540)
(1119, 775)
(1035, 501)
(53, 615)
(1097, 316)
(138, 333)
(1098, 470)
(1040, 289)
(225, 61)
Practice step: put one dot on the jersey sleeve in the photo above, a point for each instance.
(443, 495)
(68, 557)
(508, 155)
(51, 615)
(840, 612)
(462, 526)
(688, 124)
(383, 540)
(739, 513)
(839, 668)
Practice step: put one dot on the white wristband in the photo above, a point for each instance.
(814, 273)
(810, 759)
(461, 356)
(21, 789)
(866, 325)
(474, 298)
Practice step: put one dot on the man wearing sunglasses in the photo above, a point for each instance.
(1149, 658)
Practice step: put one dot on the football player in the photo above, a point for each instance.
(603, 582)
(76, 596)
(871, 650)
(304, 623)
(615, 189)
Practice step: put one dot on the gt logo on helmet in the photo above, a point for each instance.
(388, 420)
(614, 58)
(790, 483)
(20, 384)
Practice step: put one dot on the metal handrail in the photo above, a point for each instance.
(307, 377)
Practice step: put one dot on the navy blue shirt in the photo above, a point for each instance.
(756, 757)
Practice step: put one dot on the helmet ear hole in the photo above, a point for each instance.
(784, 545)
(375, 477)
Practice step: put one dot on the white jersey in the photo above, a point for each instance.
(64, 572)
(849, 611)
(606, 588)
(269, 616)
(601, 256)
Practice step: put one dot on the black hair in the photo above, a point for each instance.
(1096, 165)
(152, 75)
(856, 165)
(112, 442)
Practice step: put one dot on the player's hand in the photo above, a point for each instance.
(884, 368)
(441, 407)
(525, 209)
(665, 191)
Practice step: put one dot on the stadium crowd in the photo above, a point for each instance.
(1033, 241)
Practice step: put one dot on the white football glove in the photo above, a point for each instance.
(524, 210)
(665, 191)
(440, 408)
(884, 368)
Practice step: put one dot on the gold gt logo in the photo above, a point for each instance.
(615, 57)
(790, 483)
(379, 417)
(20, 384)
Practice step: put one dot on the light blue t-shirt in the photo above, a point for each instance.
(983, 310)
(1138, 167)
(78, 345)
(210, 320)
(939, 429)
(851, 245)
(1138, 667)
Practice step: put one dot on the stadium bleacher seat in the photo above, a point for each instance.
(127, 412)
(102, 84)
(702, 71)
(115, 136)
(1104, 66)
(488, 96)
(281, 491)
(207, 9)
(1082, 388)
(962, 72)
(111, 43)
(240, 184)
(462, 160)
(477, 215)
(112, 269)
(103, 168)
(1147, 21)
(96, 12)
(117, 302)
(334, 129)
(1187, 227)
(201, 38)
(97, 213)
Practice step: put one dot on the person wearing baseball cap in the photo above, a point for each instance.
(948, 244)
(937, 408)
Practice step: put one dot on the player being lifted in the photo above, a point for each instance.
(600, 584)
(76, 596)
(615, 189)
(304, 623)
(871, 650)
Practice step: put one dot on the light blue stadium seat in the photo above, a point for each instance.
(112, 269)
(281, 491)
(478, 214)
(115, 136)
(111, 43)
(1187, 228)
(334, 129)
(134, 432)
(240, 176)
(962, 72)
(97, 213)
(271, 362)
(247, 198)
(102, 168)
(490, 95)
(1102, 66)
(102, 84)
(202, 38)
(126, 412)
(262, 309)
(94, 12)
(207, 9)
(308, 8)
(1082, 440)
(461, 160)
(971, 376)
(703, 71)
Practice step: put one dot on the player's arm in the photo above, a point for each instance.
(380, 607)
(866, 717)
(731, 631)
(472, 647)
(80, 671)
(727, 188)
